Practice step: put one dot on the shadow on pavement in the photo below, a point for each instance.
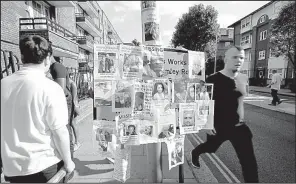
(83, 170)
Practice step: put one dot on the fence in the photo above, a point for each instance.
(10, 63)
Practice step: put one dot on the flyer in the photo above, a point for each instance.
(161, 92)
(105, 137)
(179, 91)
(204, 91)
(122, 164)
(176, 151)
(206, 122)
(148, 130)
(196, 65)
(143, 97)
(132, 62)
(190, 94)
(106, 64)
(188, 118)
(153, 62)
(166, 124)
(123, 96)
(127, 126)
(102, 93)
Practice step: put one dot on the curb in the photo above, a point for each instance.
(277, 110)
(289, 95)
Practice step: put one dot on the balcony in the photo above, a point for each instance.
(87, 24)
(86, 42)
(89, 7)
(246, 45)
(62, 3)
(63, 41)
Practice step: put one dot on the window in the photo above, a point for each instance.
(246, 40)
(262, 19)
(37, 9)
(248, 55)
(227, 44)
(246, 22)
(263, 35)
(261, 55)
(271, 53)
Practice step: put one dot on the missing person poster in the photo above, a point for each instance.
(153, 62)
(150, 23)
(143, 97)
(102, 93)
(188, 118)
(176, 64)
(196, 65)
(123, 96)
(176, 151)
(161, 92)
(132, 62)
(106, 64)
(127, 129)
(205, 114)
(166, 121)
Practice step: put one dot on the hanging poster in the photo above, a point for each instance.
(143, 97)
(132, 62)
(127, 129)
(102, 93)
(153, 62)
(166, 121)
(106, 64)
(188, 118)
(196, 65)
(176, 151)
(123, 96)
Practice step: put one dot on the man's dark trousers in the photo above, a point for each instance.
(275, 97)
(241, 139)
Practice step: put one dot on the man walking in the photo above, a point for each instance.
(275, 87)
(229, 91)
(34, 136)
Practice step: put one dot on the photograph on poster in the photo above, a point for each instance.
(131, 130)
(204, 109)
(190, 96)
(148, 4)
(106, 62)
(146, 130)
(160, 90)
(103, 136)
(132, 63)
(177, 154)
(179, 92)
(202, 91)
(188, 118)
(123, 100)
(196, 65)
(209, 89)
(151, 31)
(166, 131)
(139, 101)
(103, 93)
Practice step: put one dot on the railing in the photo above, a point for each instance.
(85, 37)
(11, 63)
(88, 18)
(44, 23)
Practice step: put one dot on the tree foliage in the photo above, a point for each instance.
(197, 29)
(136, 42)
(282, 36)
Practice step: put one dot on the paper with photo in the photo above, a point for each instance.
(123, 96)
(122, 164)
(179, 91)
(196, 64)
(132, 62)
(188, 117)
(166, 124)
(148, 130)
(143, 97)
(203, 91)
(176, 151)
(105, 137)
(153, 62)
(106, 64)
(127, 126)
(102, 93)
(190, 93)
(205, 114)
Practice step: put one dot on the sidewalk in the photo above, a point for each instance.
(286, 92)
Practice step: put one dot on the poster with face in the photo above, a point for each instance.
(153, 62)
(190, 96)
(188, 118)
(148, 131)
(127, 129)
(123, 98)
(132, 62)
(161, 90)
(143, 97)
(179, 91)
(176, 151)
(106, 63)
(166, 122)
(103, 93)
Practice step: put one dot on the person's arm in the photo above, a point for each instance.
(58, 72)
(74, 93)
(57, 120)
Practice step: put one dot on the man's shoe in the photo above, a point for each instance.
(280, 102)
(195, 161)
(272, 104)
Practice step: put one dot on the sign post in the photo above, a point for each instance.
(151, 36)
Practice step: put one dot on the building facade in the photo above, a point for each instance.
(252, 33)
(73, 27)
(224, 42)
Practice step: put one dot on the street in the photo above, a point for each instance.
(285, 98)
(274, 144)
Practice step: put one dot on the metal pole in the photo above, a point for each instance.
(216, 47)
(154, 158)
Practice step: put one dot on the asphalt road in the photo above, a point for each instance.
(274, 144)
(286, 99)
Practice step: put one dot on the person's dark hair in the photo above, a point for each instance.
(58, 59)
(34, 49)
(133, 127)
(159, 83)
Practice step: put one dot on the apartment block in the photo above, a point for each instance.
(225, 40)
(73, 27)
(252, 33)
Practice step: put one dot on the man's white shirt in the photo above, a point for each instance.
(31, 107)
(276, 79)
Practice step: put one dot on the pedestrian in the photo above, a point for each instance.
(71, 86)
(275, 87)
(229, 124)
(34, 136)
(59, 72)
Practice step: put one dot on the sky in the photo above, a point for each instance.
(125, 16)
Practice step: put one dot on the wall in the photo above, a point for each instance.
(66, 18)
(237, 35)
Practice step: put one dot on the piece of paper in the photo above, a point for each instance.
(153, 62)
(102, 93)
(176, 151)
(196, 65)
(166, 121)
(123, 98)
(127, 127)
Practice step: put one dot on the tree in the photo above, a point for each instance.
(282, 35)
(136, 42)
(197, 29)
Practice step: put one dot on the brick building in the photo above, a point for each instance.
(224, 42)
(72, 26)
(251, 32)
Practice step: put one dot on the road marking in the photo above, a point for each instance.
(215, 163)
(222, 164)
